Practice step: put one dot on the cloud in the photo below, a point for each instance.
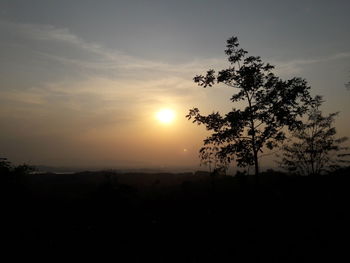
(296, 65)
(76, 69)
(90, 55)
(65, 63)
(80, 73)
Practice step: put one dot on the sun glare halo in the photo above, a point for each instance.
(165, 116)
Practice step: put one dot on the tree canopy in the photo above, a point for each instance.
(270, 105)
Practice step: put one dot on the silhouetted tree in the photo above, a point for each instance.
(5, 166)
(20, 171)
(5, 170)
(314, 147)
(270, 104)
(10, 173)
(23, 169)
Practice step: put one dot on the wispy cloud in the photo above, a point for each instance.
(97, 56)
(90, 68)
(297, 65)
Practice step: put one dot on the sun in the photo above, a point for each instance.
(165, 116)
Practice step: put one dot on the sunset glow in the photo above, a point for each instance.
(175, 131)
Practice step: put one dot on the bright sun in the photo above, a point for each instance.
(165, 116)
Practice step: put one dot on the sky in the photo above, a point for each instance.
(81, 81)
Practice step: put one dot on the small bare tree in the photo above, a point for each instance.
(314, 148)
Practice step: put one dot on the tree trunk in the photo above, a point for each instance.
(256, 164)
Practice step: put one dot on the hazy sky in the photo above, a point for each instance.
(81, 81)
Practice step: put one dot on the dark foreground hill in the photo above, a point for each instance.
(176, 217)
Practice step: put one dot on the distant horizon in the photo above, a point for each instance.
(141, 169)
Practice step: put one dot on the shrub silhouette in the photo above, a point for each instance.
(13, 174)
(5, 167)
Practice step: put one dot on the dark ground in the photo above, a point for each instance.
(176, 218)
